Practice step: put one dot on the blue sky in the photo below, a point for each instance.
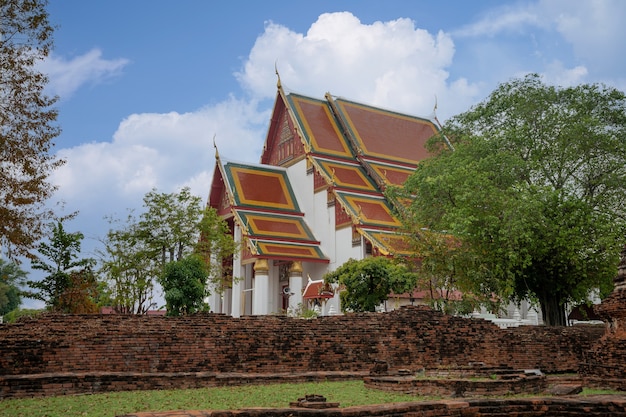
(145, 85)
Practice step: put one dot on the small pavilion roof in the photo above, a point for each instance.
(264, 205)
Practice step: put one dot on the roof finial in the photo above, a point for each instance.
(440, 126)
(217, 154)
(278, 83)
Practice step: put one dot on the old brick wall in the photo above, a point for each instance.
(412, 337)
(605, 363)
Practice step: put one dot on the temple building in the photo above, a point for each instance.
(313, 201)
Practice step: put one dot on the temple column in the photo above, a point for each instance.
(295, 286)
(260, 295)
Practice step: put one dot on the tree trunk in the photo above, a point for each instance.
(552, 310)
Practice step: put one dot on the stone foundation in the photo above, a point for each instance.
(527, 407)
(462, 382)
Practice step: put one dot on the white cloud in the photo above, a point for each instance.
(67, 76)
(590, 33)
(557, 74)
(389, 64)
(164, 151)
(499, 20)
(595, 29)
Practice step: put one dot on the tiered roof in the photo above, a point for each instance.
(354, 150)
(263, 203)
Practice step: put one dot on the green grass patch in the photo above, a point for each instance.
(598, 391)
(347, 393)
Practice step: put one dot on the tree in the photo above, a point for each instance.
(82, 293)
(172, 227)
(534, 189)
(11, 278)
(129, 269)
(59, 259)
(27, 126)
(218, 248)
(185, 285)
(369, 281)
(443, 271)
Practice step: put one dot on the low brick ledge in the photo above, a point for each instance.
(600, 405)
(68, 383)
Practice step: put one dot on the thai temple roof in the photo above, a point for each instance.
(354, 151)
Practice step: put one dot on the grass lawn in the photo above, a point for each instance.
(223, 398)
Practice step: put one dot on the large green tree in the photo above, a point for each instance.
(60, 260)
(367, 283)
(27, 125)
(534, 189)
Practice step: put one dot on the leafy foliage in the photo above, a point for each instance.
(184, 283)
(15, 315)
(11, 278)
(60, 260)
(369, 281)
(27, 126)
(129, 270)
(172, 227)
(534, 191)
(443, 271)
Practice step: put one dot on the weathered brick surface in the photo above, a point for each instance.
(605, 363)
(97, 348)
(527, 407)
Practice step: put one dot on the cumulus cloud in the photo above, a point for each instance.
(390, 64)
(67, 76)
(165, 151)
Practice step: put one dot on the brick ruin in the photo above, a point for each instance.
(58, 354)
(605, 363)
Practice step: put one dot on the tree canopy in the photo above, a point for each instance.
(368, 282)
(185, 285)
(68, 275)
(173, 227)
(11, 279)
(27, 125)
(534, 189)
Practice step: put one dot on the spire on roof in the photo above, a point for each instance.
(278, 83)
(217, 154)
(436, 120)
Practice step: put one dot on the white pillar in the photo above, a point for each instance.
(236, 294)
(295, 286)
(260, 295)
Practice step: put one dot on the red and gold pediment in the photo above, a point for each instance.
(291, 251)
(344, 175)
(385, 134)
(260, 186)
(320, 129)
(266, 225)
(368, 210)
(391, 175)
(388, 243)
